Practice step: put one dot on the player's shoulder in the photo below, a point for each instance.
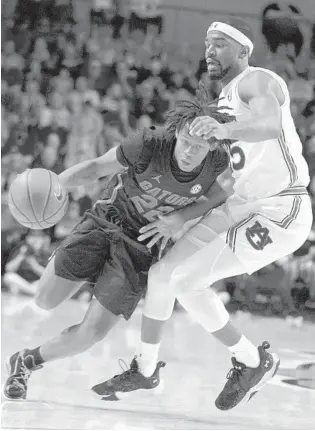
(259, 77)
(258, 80)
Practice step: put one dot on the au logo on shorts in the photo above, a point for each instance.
(258, 236)
(196, 189)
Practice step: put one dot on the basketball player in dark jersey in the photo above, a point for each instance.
(157, 171)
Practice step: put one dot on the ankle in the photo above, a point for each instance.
(245, 352)
(33, 358)
(147, 358)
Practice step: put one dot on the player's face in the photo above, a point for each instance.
(221, 54)
(190, 151)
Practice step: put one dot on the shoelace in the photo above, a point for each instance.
(126, 370)
(234, 374)
(24, 376)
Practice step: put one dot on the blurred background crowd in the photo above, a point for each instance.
(70, 94)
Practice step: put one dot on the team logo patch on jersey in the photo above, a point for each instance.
(157, 178)
(196, 189)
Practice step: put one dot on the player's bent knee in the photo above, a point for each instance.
(205, 308)
(160, 275)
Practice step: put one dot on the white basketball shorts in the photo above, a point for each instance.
(258, 232)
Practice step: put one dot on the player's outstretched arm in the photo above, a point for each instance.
(90, 170)
(215, 196)
(169, 225)
(263, 96)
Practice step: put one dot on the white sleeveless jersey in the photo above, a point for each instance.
(265, 168)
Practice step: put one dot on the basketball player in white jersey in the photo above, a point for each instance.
(268, 217)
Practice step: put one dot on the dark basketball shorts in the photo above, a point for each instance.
(99, 251)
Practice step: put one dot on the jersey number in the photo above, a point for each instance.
(145, 202)
(237, 158)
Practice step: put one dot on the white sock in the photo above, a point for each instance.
(245, 352)
(147, 358)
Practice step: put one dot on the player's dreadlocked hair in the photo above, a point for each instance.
(186, 111)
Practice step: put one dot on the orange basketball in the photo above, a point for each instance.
(37, 200)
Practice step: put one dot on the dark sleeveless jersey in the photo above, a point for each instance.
(141, 192)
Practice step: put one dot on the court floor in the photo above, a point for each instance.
(59, 395)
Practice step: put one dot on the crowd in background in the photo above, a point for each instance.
(68, 96)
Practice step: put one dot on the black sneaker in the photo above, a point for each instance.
(244, 382)
(19, 366)
(130, 380)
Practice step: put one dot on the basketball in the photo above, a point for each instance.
(37, 200)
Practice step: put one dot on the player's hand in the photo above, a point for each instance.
(206, 127)
(162, 230)
(23, 250)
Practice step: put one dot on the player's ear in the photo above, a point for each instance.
(243, 51)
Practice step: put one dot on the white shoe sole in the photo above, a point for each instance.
(268, 376)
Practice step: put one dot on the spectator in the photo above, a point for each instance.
(62, 83)
(29, 10)
(145, 13)
(68, 29)
(56, 111)
(40, 52)
(49, 156)
(110, 102)
(53, 128)
(100, 77)
(127, 78)
(27, 263)
(14, 101)
(4, 126)
(12, 64)
(34, 72)
(106, 13)
(71, 60)
(18, 142)
(149, 102)
(85, 140)
(33, 103)
(43, 28)
(82, 92)
(61, 12)
(21, 36)
(280, 25)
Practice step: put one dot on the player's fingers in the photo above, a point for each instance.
(148, 234)
(205, 124)
(164, 242)
(208, 134)
(194, 130)
(154, 240)
(148, 227)
(206, 131)
(195, 122)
